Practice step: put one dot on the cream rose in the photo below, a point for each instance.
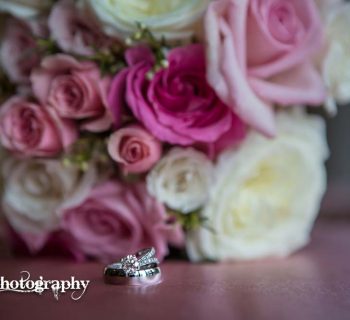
(171, 18)
(24, 8)
(336, 63)
(36, 189)
(267, 194)
(181, 179)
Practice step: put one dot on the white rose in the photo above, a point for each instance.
(267, 194)
(336, 63)
(24, 9)
(171, 18)
(181, 179)
(36, 189)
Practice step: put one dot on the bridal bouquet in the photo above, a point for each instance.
(182, 123)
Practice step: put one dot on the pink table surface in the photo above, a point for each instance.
(312, 284)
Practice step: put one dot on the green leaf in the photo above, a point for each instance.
(192, 220)
(86, 149)
(47, 47)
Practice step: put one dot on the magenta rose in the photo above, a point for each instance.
(135, 149)
(32, 130)
(259, 54)
(177, 105)
(74, 89)
(231, 138)
(116, 220)
(74, 30)
(19, 53)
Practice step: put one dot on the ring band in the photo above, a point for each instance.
(134, 281)
(140, 273)
(142, 277)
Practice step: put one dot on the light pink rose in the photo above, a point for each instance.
(19, 53)
(116, 220)
(177, 105)
(74, 89)
(32, 130)
(75, 31)
(259, 54)
(134, 148)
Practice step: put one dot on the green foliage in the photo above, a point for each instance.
(191, 221)
(159, 47)
(110, 60)
(85, 150)
(46, 47)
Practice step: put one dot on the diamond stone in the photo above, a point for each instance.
(130, 264)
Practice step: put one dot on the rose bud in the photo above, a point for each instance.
(134, 148)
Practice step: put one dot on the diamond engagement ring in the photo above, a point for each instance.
(134, 269)
(131, 263)
(145, 254)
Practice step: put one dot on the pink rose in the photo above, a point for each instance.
(259, 54)
(231, 138)
(19, 53)
(74, 30)
(32, 130)
(134, 148)
(74, 89)
(177, 105)
(116, 220)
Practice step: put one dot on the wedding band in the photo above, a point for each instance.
(142, 277)
(137, 274)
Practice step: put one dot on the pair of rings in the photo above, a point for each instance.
(137, 269)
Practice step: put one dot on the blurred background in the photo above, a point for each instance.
(337, 200)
